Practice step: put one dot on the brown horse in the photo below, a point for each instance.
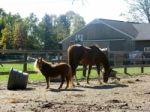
(54, 70)
(112, 73)
(92, 55)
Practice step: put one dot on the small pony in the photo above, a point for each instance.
(54, 70)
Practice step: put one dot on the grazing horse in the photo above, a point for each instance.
(105, 51)
(112, 73)
(54, 70)
(78, 54)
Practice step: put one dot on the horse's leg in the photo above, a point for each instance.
(89, 72)
(74, 74)
(62, 81)
(98, 72)
(68, 81)
(76, 79)
(84, 70)
(47, 81)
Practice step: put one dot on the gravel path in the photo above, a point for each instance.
(131, 94)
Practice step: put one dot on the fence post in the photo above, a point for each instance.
(125, 69)
(142, 69)
(25, 63)
(58, 55)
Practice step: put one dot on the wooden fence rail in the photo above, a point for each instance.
(119, 58)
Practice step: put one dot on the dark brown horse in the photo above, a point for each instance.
(112, 73)
(92, 55)
(54, 70)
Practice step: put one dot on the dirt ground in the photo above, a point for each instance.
(130, 94)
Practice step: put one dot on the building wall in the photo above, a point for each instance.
(139, 45)
(101, 35)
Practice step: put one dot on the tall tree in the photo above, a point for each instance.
(76, 21)
(139, 10)
(2, 15)
(63, 27)
(47, 37)
(32, 32)
(8, 22)
(20, 36)
(7, 38)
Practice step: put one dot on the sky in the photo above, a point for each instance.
(88, 9)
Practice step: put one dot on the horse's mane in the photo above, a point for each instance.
(36, 65)
(70, 47)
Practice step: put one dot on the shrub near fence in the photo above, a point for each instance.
(116, 58)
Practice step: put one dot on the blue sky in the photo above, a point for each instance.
(89, 10)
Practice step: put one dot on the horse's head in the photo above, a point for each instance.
(110, 73)
(38, 63)
(106, 75)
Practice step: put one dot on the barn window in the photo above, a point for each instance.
(147, 49)
(79, 38)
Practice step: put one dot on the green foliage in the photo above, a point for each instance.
(47, 36)
(76, 21)
(7, 38)
(63, 27)
(30, 33)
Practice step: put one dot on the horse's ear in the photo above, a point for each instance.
(39, 59)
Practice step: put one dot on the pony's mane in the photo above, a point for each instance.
(36, 66)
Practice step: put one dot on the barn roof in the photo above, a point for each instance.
(138, 31)
(135, 31)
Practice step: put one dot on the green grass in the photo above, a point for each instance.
(40, 77)
(7, 67)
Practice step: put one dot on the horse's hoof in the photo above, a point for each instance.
(47, 87)
(118, 79)
(78, 84)
(100, 83)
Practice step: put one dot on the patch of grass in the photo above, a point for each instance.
(39, 76)
(7, 67)
(36, 77)
(4, 77)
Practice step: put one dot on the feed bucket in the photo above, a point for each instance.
(17, 80)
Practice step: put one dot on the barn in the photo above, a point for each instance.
(112, 34)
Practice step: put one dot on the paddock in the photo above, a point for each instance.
(130, 94)
(117, 59)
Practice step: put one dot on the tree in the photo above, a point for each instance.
(20, 36)
(76, 21)
(46, 29)
(68, 23)
(7, 38)
(32, 32)
(2, 15)
(8, 22)
(139, 10)
(63, 27)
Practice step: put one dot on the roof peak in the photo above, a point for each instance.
(102, 19)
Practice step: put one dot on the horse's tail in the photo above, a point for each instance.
(70, 71)
(70, 76)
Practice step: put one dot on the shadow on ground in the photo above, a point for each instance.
(106, 86)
